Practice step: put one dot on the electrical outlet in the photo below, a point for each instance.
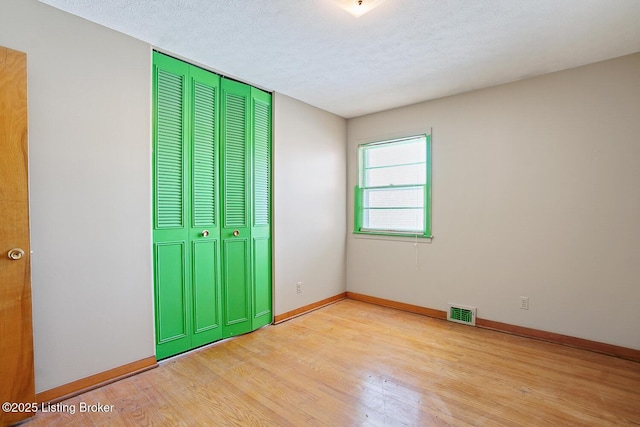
(299, 287)
(524, 303)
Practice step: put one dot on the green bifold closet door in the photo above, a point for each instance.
(212, 210)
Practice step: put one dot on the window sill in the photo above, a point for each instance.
(392, 237)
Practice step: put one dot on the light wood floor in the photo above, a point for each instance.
(356, 364)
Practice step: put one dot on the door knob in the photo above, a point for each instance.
(15, 254)
(236, 233)
(205, 233)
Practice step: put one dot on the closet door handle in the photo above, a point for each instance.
(15, 254)
(205, 233)
(236, 233)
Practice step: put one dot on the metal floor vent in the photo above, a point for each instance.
(462, 314)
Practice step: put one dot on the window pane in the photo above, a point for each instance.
(412, 197)
(398, 153)
(392, 186)
(396, 175)
(394, 219)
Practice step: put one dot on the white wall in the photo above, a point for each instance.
(309, 203)
(535, 193)
(90, 191)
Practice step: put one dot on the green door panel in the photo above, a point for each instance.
(204, 220)
(235, 146)
(170, 234)
(261, 282)
(169, 145)
(261, 132)
(236, 200)
(206, 296)
(261, 208)
(205, 148)
(172, 302)
(236, 293)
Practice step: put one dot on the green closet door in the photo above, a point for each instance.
(186, 236)
(204, 232)
(170, 231)
(261, 208)
(212, 211)
(235, 233)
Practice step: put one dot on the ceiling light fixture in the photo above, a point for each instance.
(358, 7)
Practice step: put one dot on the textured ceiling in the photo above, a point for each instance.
(400, 53)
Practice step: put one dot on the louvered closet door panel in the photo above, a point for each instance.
(236, 139)
(170, 152)
(205, 87)
(261, 208)
(205, 223)
(170, 234)
(235, 233)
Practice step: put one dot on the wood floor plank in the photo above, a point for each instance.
(356, 364)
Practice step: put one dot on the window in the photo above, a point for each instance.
(393, 195)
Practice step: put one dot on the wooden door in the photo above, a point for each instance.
(17, 384)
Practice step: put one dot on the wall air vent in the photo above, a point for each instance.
(462, 314)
